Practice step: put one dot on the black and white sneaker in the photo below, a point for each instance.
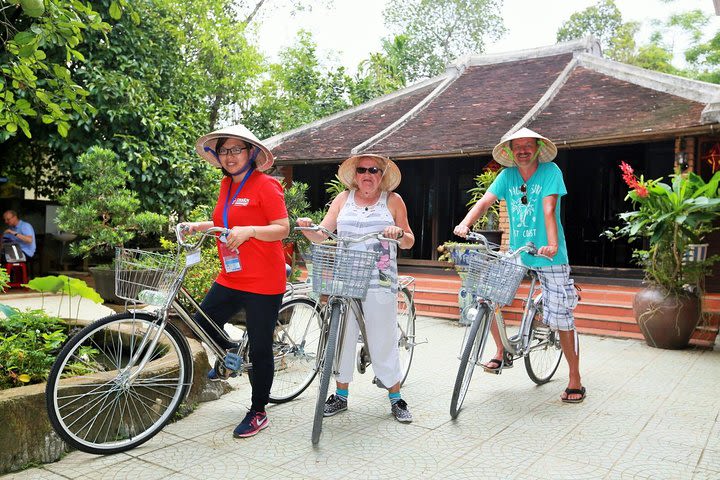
(334, 405)
(400, 411)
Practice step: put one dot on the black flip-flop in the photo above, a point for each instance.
(574, 391)
(494, 361)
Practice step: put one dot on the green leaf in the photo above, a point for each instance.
(62, 128)
(51, 284)
(115, 11)
(77, 287)
(24, 37)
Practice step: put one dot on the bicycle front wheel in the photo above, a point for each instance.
(471, 355)
(544, 353)
(328, 360)
(100, 401)
(296, 345)
(406, 330)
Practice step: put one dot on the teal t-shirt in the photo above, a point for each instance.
(527, 222)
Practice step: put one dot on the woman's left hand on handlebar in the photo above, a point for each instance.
(393, 232)
(548, 250)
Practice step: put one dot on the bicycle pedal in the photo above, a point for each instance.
(377, 382)
(233, 361)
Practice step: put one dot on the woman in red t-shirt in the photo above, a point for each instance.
(252, 205)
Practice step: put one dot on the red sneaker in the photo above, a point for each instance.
(251, 424)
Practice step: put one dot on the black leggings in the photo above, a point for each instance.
(261, 313)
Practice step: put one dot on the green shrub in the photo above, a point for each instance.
(29, 342)
(4, 279)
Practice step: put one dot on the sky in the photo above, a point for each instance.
(350, 30)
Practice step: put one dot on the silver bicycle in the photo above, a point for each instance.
(493, 278)
(343, 275)
(120, 380)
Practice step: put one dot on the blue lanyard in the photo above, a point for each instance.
(229, 202)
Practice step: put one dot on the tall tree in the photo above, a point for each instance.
(296, 91)
(602, 20)
(438, 31)
(41, 43)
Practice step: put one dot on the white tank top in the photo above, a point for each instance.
(355, 221)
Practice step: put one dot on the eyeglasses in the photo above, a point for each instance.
(523, 189)
(231, 151)
(372, 170)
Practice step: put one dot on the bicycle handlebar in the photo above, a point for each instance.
(181, 229)
(320, 228)
(528, 248)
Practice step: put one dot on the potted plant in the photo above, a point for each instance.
(488, 224)
(104, 214)
(456, 253)
(672, 219)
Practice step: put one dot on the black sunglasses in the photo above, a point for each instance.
(523, 189)
(372, 170)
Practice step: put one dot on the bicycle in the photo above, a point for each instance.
(494, 277)
(118, 381)
(343, 275)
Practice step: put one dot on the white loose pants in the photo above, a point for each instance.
(380, 309)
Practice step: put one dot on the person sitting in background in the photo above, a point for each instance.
(19, 232)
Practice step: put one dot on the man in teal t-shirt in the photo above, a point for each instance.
(532, 187)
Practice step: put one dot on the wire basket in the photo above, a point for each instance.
(493, 278)
(342, 271)
(147, 277)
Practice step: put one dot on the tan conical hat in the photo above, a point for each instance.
(205, 146)
(503, 155)
(391, 172)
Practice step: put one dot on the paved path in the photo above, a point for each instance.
(58, 305)
(649, 414)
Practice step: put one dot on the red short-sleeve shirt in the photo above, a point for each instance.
(260, 202)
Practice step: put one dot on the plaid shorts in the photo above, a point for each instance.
(559, 297)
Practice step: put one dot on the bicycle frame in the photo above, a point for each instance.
(346, 306)
(518, 345)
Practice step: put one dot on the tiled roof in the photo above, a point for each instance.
(334, 139)
(593, 105)
(567, 92)
(475, 110)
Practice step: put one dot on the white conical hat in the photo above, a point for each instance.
(391, 172)
(503, 155)
(205, 146)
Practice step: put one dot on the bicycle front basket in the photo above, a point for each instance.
(342, 271)
(147, 277)
(494, 278)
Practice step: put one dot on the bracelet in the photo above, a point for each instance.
(254, 232)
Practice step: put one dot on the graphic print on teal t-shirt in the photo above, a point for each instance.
(527, 222)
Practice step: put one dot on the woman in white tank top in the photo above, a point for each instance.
(368, 206)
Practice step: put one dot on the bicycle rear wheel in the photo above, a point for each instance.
(99, 403)
(544, 353)
(406, 330)
(328, 359)
(296, 345)
(471, 355)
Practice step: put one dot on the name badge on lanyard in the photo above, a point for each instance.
(231, 258)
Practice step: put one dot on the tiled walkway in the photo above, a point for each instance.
(649, 414)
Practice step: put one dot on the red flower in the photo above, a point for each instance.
(632, 182)
(641, 191)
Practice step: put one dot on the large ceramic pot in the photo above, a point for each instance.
(104, 279)
(666, 321)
